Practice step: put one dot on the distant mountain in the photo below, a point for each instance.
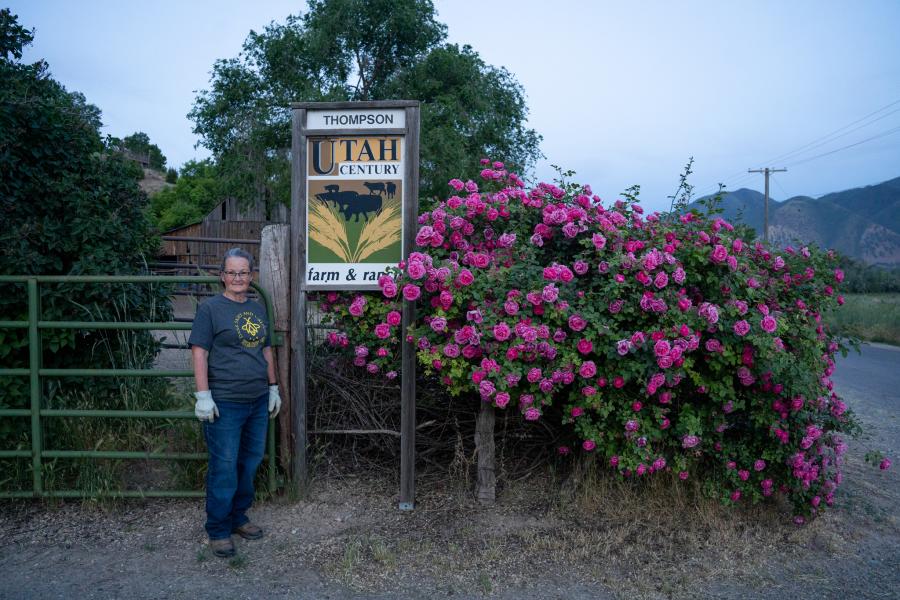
(863, 223)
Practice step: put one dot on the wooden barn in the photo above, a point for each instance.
(199, 247)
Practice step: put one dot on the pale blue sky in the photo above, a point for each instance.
(623, 92)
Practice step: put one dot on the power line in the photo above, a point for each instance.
(838, 130)
(816, 143)
(874, 137)
(778, 183)
(833, 138)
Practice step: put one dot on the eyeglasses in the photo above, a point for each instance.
(237, 274)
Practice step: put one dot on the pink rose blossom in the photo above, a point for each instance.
(465, 277)
(502, 332)
(689, 441)
(577, 323)
(719, 254)
(588, 369)
(411, 292)
(416, 269)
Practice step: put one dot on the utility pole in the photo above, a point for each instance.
(766, 171)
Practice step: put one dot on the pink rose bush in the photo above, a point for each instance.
(664, 343)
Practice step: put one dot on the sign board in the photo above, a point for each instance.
(354, 202)
(356, 192)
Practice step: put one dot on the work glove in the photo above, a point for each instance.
(274, 401)
(205, 408)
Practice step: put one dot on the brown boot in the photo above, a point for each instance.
(248, 531)
(223, 548)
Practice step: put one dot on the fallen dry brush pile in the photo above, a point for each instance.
(354, 421)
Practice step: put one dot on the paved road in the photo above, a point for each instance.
(870, 383)
(875, 372)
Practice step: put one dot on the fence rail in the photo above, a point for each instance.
(38, 452)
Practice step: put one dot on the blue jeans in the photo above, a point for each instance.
(236, 441)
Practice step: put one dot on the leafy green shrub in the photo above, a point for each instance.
(663, 342)
(68, 208)
(196, 192)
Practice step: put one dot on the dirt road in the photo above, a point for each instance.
(346, 540)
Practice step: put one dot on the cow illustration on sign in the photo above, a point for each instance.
(352, 203)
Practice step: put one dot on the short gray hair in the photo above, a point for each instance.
(237, 253)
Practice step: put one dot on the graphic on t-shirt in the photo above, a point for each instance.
(250, 329)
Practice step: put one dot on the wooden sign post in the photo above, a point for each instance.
(354, 207)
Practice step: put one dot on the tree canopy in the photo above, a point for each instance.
(358, 50)
(58, 187)
(139, 143)
(68, 207)
(196, 192)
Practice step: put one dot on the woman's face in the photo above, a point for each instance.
(236, 275)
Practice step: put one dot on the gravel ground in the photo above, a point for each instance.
(345, 538)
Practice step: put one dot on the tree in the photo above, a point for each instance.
(196, 192)
(67, 207)
(468, 109)
(357, 50)
(139, 144)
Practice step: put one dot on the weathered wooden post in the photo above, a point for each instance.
(275, 277)
(486, 485)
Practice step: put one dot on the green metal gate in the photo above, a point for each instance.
(35, 373)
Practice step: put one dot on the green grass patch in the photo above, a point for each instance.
(869, 317)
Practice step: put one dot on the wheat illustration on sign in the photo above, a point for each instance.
(328, 227)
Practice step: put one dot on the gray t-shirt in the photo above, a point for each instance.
(235, 334)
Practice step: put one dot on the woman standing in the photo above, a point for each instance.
(236, 388)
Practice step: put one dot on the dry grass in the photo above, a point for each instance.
(582, 535)
(657, 538)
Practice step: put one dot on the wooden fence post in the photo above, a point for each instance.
(275, 277)
(486, 486)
